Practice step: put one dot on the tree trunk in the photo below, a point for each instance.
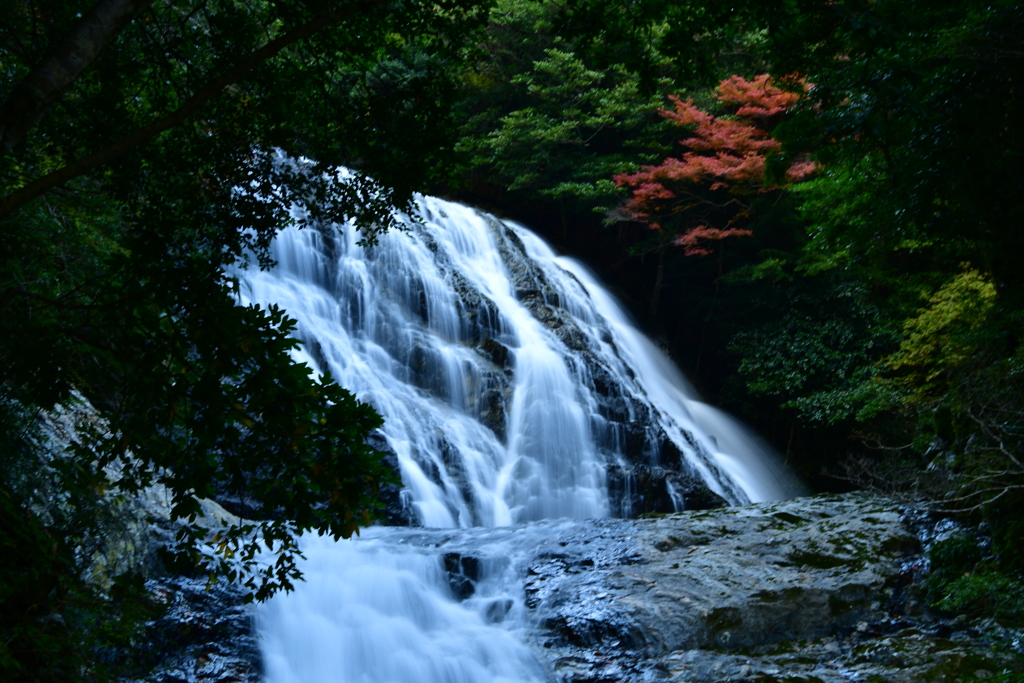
(43, 87)
(658, 279)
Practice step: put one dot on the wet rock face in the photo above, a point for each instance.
(649, 473)
(204, 636)
(644, 489)
(396, 511)
(201, 632)
(787, 591)
(906, 653)
(744, 576)
(646, 471)
(463, 573)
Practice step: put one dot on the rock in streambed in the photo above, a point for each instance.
(810, 589)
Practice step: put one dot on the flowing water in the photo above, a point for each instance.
(514, 389)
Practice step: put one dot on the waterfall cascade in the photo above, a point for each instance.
(514, 389)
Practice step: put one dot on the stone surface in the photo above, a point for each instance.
(807, 590)
(645, 459)
(907, 655)
(810, 589)
(204, 636)
(205, 632)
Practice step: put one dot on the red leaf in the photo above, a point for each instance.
(723, 155)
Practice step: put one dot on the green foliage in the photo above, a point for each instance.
(558, 146)
(1006, 677)
(550, 121)
(939, 339)
(877, 303)
(964, 581)
(916, 207)
(54, 623)
(120, 285)
(400, 112)
(912, 126)
(706, 40)
(984, 594)
(815, 350)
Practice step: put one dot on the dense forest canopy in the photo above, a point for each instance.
(829, 193)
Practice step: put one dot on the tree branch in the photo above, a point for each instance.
(25, 108)
(16, 199)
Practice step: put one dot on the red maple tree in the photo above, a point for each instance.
(726, 161)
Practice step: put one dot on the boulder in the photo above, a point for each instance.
(809, 589)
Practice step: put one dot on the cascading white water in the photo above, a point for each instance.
(511, 385)
(750, 468)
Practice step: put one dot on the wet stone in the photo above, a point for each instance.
(497, 610)
(714, 595)
(463, 573)
(496, 352)
(491, 411)
(396, 510)
(205, 635)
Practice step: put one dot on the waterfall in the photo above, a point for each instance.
(514, 389)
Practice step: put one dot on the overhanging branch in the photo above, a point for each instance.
(61, 66)
(40, 186)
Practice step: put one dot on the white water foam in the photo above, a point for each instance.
(405, 325)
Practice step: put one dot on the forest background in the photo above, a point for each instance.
(815, 206)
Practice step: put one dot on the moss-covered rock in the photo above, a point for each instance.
(809, 589)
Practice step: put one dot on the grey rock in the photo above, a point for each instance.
(621, 420)
(907, 656)
(205, 633)
(661, 490)
(463, 573)
(204, 636)
(391, 494)
(642, 462)
(808, 589)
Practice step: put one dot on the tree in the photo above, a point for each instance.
(547, 124)
(702, 197)
(563, 145)
(911, 117)
(148, 149)
(727, 160)
(918, 198)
